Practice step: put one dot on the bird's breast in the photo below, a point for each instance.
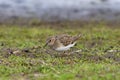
(65, 48)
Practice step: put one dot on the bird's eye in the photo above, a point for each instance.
(49, 40)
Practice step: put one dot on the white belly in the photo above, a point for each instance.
(65, 48)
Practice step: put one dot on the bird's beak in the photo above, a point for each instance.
(45, 45)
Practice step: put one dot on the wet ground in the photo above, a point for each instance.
(54, 10)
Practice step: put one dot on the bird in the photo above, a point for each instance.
(62, 42)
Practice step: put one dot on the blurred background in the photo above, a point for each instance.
(27, 11)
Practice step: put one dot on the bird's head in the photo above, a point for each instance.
(50, 41)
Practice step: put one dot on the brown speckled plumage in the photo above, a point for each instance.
(61, 40)
(66, 39)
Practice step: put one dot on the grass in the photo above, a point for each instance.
(98, 60)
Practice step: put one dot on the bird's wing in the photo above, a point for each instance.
(65, 39)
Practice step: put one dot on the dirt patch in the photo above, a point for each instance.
(36, 52)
